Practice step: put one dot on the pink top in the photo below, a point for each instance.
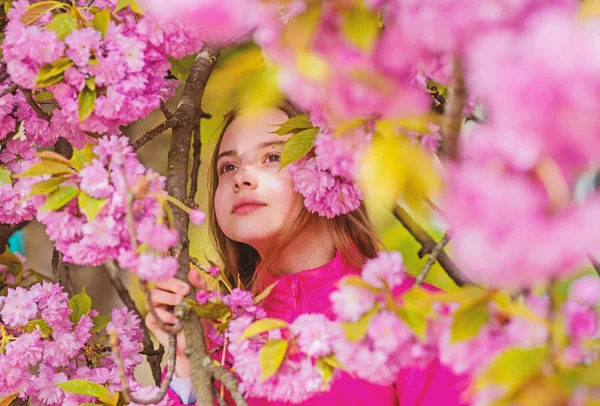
(308, 292)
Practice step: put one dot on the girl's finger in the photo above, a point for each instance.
(162, 297)
(166, 316)
(197, 280)
(174, 285)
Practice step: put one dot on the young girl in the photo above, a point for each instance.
(263, 233)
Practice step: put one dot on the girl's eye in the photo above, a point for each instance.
(274, 157)
(226, 167)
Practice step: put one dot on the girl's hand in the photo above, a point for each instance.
(170, 293)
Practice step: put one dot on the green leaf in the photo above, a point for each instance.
(47, 186)
(5, 176)
(90, 206)
(361, 26)
(262, 326)
(8, 400)
(180, 68)
(468, 322)
(349, 125)
(84, 387)
(80, 304)
(101, 20)
(46, 168)
(11, 261)
(135, 7)
(60, 197)
(87, 99)
(294, 124)
(100, 322)
(51, 74)
(37, 10)
(271, 356)
(63, 24)
(82, 156)
(259, 298)
(43, 96)
(90, 83)
(512, 368)
(44, 328)
(297, 146)
(210, 310)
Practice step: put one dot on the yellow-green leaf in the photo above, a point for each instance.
(87, 99)
(40, 324)
(46, 168)
(80, 304)
(357, 281)
(60, 197)
(259, 298)
(43, 96)
(8, 400)
(415, 320)
(512, 367)
(63, 24)
(210, 310)
(294, 124)
(357, 330)
(590, 9)
(325, 370)
(135, 7)
(5, 176)
(91, 83)
(361, 26)
(180, 68)
(262, 326)
(332, 361)
(11, 262)
(53, 156)
(84, 387)
(110, 400)
(37, 10)
(271, 356)
(468, 323)
(349, 125)
(51, 74)
(297, 146)
(82, 156)
(101, 20)
(311, 65)
(100, 322)
(90, 206)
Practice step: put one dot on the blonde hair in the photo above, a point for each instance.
(352, 234)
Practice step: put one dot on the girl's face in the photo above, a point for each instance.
(254, 200)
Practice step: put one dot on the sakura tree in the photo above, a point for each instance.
(472, 122)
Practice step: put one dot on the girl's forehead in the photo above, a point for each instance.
(253, 128)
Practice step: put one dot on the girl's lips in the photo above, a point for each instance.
(246, 206)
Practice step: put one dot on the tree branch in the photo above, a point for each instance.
(428, 244)
(177, 186)
(595, 264)
(36, 107)
(453, 115)
(9, 89)
(195, 165)
(170, 122)
(153, 356)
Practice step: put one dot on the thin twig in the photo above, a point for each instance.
(165, 110)
(453, 116)
(36, 107)
(114, 343)
(197, 146)
(227, 379)
(428, 244)
(9, 89)
(170, 122)
(595, 264)
(196, 262)
(154, 357)
(67, 281)
(130, 221)
(220, 400)
(431, 259)
(3, 76)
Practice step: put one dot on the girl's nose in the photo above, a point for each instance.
(245, 178)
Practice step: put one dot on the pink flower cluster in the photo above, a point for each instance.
(523, 227)
(114, 173)
(59, 350)
(125, 68)
(388, 343)
(309, 338)
(15, 206)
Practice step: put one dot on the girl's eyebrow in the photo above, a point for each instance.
(262, 145)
